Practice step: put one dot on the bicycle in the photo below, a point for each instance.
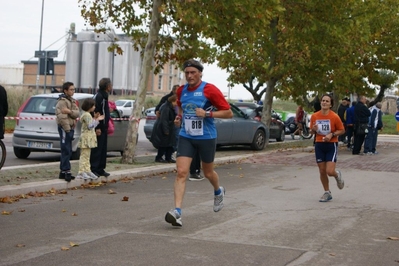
(3, 153)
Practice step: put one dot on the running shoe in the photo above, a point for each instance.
(196, 177)
(92, 175)
(326, 197)
(292, 136)
(173, 217)
(218, 200)
(340, 181)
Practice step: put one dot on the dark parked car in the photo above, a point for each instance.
(36, 130)
(253, 110)
(239, 130)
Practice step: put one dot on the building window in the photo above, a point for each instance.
(160, 82)
(170, 82)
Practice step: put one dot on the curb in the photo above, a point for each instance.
(58, 184)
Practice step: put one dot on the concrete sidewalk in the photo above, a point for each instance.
(271, 217)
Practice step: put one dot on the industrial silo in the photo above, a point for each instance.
(121, 67)
(85, 36)
(105, 61)
(72, 68)
(88, 72)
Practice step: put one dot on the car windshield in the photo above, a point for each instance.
(41, 105)
(120, 103)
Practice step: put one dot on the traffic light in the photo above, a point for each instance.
(49, 65)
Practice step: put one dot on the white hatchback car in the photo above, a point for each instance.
(36, 129)
(125, 106)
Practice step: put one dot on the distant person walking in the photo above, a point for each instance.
(327, 126)
(299, 118)
(66, 111)
(98, 156)
(88, 139)
(3, 110)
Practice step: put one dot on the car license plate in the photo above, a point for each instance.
(36, 144)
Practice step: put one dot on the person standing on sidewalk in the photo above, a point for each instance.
(196, 100)
(327, 126)
(341, 113)
(350, 125)
(3, 110)
(362, 115)
(98, 155)
(375, 124)
(163, 134)
(66, 111)
(88, 139)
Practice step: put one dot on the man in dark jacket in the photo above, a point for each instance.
(3, 110)
(375, 124)
(341, 113)
(362, 114)
(350, 124)
(98, 156)
(165, 98)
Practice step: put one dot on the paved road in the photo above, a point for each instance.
(271, 217)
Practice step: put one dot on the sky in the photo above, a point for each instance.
(20, 36)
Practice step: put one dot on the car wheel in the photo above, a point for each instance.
(75, 154)
(259, 140)
(282, 136)
(21, 153)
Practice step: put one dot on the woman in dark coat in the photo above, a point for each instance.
(163, 135)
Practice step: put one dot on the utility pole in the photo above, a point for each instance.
(40, 48)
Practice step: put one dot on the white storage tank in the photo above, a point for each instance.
(121, 67)
(85, 36)
(72, 65)
(88, 80)
(105, 61)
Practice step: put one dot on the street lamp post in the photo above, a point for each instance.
(40, 48)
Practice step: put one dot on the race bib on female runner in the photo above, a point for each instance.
(323, 127)
(194, 125)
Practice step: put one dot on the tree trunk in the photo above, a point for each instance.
(271, 83)
(149, 50)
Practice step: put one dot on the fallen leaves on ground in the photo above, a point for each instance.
(393, 238)
(20, 245)
(73, 244)
(125, 198)
(6, 213)
(111, 191)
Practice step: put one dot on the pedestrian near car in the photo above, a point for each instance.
(196, 100)
(163, 134)
(350, 125)
(165, 98)
(362, 115)
(98, 155)
(327, 126)
(3, 110)
(88, 139)
(66, 111)
(375, 124)
(341, 113)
